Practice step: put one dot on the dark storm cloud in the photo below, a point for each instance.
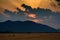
(53, 4)
(43, 12)
(19, 16)
(58, 2)
(27, 8)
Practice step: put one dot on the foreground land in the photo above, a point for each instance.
(29, 36)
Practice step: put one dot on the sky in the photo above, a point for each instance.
(48, 12)
(12, 4)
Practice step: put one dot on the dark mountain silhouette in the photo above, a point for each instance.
(58, 30)
(26, 26)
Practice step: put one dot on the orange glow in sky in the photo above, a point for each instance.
(32, 15)
(12, 4)
(37, 20)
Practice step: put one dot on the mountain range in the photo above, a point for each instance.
(24, 26)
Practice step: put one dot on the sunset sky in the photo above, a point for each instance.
(52, 19)
(12, 4)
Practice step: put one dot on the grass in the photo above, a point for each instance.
(29, 36)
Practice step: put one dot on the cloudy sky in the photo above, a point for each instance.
(50, 17)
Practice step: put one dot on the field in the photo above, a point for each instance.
(29, 36)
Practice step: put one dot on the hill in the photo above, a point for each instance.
(26, 26)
